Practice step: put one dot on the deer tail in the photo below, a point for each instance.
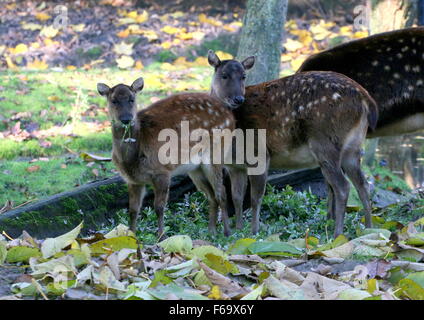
(372, 113)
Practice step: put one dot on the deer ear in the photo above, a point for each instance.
(213, 59)
(103, 89)
(248, 62)
(138, 85)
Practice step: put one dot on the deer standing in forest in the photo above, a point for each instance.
(311, 119)
(138, 142)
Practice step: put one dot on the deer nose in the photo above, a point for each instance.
(126, 119)
(239, 99)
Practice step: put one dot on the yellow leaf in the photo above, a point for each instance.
(372, 285)
(166, 44)
(10, 63)
(224, 55)
(293, 45)
(53, 98)
(201, 61)
(78, 27)
(49, 42)
(123, 48)
(42, 16)
(215, 293)
(35, 45)
(360, 34)
(20, 48)
(31, 26)
(204, 19)
(132, 14)
(296, 63)
(185, 36)
(182, 61)
(345, 30)
(198, 35)
(229, 28)
(49, 32)
(139, 65)
(142, 17)
(167, 66)
(150, 34)
(304, 36)
(37, 65)
(71, 68)
(125, 62)
(172, 30)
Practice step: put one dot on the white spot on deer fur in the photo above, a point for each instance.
(208, 104)
(293, 113)
(414, 51)
(287, 119)
(399, 55)
(406, 95)
(316, 102)
(301, 108)
(192, 106)
(323, 99)
(411, 88)
(420, 82)
(400, 40)
(396, 75)
(336, 96)
(309, 105)
(404, 49)
(205, 124)
(327, 85)
(387, 68)
(201, 107)
(375, 63)
(413, 40)
(388, 49)
(416, 69)
(210, 111)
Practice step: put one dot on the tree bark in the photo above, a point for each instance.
(261, 37)
(387, 15)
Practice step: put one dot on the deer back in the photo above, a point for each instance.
(388, 65)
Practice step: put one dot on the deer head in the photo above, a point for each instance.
(228, 79)
(121, 99)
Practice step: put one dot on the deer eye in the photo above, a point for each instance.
(224, 76)
(243, 77)
(131, 100)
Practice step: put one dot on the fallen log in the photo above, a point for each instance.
(97, 203)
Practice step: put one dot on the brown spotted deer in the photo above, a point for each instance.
(390, 66)
(138, 142)
(311, 119)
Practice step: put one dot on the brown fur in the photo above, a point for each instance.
(312, 119)
(138, 161)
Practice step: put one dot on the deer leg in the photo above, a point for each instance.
(201, 182)
(136, 195)
(257, 191)
(238, 179)
(330, 203)
(329, 159)
(161, 184)
(351, 164)
(214, 173)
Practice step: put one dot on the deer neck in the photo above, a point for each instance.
(126, 142)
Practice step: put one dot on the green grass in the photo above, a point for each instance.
(19, 185)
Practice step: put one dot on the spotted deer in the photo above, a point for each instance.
(311, 119)
(138, 140)
(390, 66)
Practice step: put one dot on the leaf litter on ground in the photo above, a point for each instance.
(117, 266)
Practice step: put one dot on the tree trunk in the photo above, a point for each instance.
(387, 15)
(261, 37)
